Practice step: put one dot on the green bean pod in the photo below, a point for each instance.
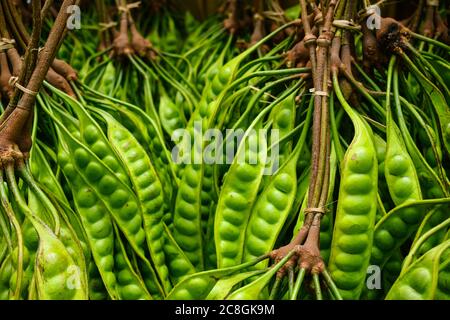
(356, 208)
(437, 100)
(67, 237)
(107, 81)
(420, 280)
(129, 285)
(97, 290)
(42, 172)
(172, 116)
(269, 213)
(238, 193)
(148, 138)
(443, 285)
(94, 138)
(31, 244)
(380, 147)
(57, 275)
(95, 219)
(224, 286)
(115, 196)
(283, 116)
(210, 247)
(6, 272)
(187, 229)
(273, 205)
(148, 189)
(400, 172)
(110, 194)
(178, 264)
(197, 286)
(397, 226)
(255, 289)
(327, 221)
(392, 270)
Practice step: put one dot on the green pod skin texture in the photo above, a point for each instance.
(237, 196)
(192, 210)
(67, 237)
(302, 187)
(151, 140)
(216, 80)
(443, 285)
(195, 287)
(97, 290)
(269, 213)
(430, 184)
(198, 285)
(172, 116)
(355, 213)
(31, 243)
(392, 269)
(438, 217)
(420, 280)
(327, 221)
(148, 189)
(400, 172)
(210, 247)
(106, 84)
(380, 147)
(255, 289)
(224, 286)
(42, 172)
(108, 193)
(274, 203)
(57, 276)
(178, 264)
(148, 275)
(283, 120)
(187, 215)
(208, 198)
(115, 196)
(6, 272)
(404, 187)
(32, 294)
(94, 138)
(95, 218)
(129, 285)
(283, 117)
(28, 270)
(396, 227)
(437, 101)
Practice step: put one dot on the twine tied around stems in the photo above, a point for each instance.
(105, 26)
(258, 16)
(13, 81)
(318, 92)
(367, 12)
(6, 44)
(315, 210)
(129, 6)
(346, 24)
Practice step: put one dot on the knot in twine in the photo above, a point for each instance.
(13, 82)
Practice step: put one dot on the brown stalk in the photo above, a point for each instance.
(15, 138)
(428, 25)
(5, 75)
(121, 43)
(31, 53)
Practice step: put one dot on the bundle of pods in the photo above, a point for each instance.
(273, 152)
